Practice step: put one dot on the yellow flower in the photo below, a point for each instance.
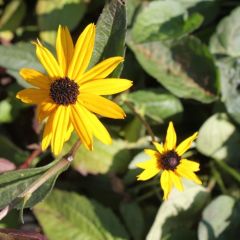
(69, 95)
(168, 159)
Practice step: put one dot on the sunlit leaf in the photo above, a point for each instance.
(65, 215)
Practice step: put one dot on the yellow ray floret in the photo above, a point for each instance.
(168, 160)
(70, 94)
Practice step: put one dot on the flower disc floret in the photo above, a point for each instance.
(169, 160)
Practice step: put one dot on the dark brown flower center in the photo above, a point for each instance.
(64, 91)
(169, 160)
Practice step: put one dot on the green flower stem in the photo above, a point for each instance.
(232, 172)
(64, 163)
(148, 195)
(142, 119)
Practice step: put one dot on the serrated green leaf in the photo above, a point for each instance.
(133, 218)
(220, 219)
(110, 35)
(187, 69)
(65, 215)
(13, 15)
(219, 138)
(13, 183)
(157, 105)
(226, 40)
(230, 74)
(179, 211)
(17, 56)
(164, 20)
(102, 159)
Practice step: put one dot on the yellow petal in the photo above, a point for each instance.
(59, 128)
(191, 165)
(147, 174)
(65, 49)
(152, 153)
(47, 133)
(171, 138)
(45, 109)
(166, 183)
(101, 70)
(35, 78)
(106, 86)
(82, 53)
(69, 131)
(152, 163)
(47, 60)
(101, 106)
(81, 124)
(186, 144)
(176, 180)
(159, 147)
(32, 95)
(99, 131)
(187, 173)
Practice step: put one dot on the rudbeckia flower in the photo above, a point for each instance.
(168, 160)
(69, 95)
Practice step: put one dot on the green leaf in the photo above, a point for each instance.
(230, 75)
(5, 110)
(131, 8)
(64, 12)
(110, 35)
(11, 151)
(17, 56)
(133, 218)
(179, 211)
(102, 159)
(219, 138)
(187, 69)
(164, 20)
(220, 219)
(65, 215)
(13, 15)
(157, 105)
(13, 183)
(226, 40)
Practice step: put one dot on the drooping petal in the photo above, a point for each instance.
(45, 108)
(47, 60)
(101, 106)
(99, 131)
(186, 144)
(47, 133)
(81, 124)
(101, 70)
(147, 174)
(159, 147)
(176, 180)
(82, 53)
(35, 78)
(191, 165)
(166, 183)
(32, 95)
(59, 128)
(151, 153)
(64, 48)
(152, 163)
(171, 138)
(106, 86)
(187, 173)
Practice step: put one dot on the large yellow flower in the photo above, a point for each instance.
(168, 159)
(69, 95)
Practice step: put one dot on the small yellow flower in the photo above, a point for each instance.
(168, 159)
(69, 95)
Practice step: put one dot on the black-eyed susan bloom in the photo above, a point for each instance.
(70, 94)
(168, 159)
